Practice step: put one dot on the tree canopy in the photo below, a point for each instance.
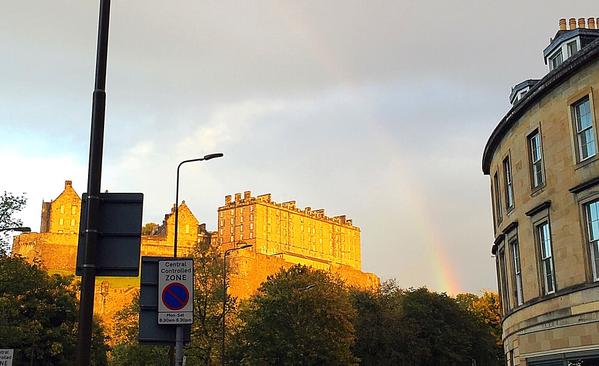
(38, 315)
(298, 317)
(9, 205)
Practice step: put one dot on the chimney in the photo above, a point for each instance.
(247, 195)
(591, 23)
(581, 23)
(562, 24)
(572, 22)
(237, 197)
(228, 199)
(68, 183)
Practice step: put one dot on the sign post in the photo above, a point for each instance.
(175, 291)
(6, 357)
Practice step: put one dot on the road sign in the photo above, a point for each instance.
(6, 356)
(175, 291)
(150, 332)
(119, 242)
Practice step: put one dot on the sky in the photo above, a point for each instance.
(378, 110)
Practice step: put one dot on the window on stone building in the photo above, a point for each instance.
(61, 209)
(61, 222)
(572, 48)
(187, 229)
(496, 191)
(546, 256)
(502, 280)
(73, 209)
(556, 60)
(585, 133)
(509, 185)
(515, 249)
(592, 217)
(536, 160)
(72, 222)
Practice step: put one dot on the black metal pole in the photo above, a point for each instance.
(88, 280)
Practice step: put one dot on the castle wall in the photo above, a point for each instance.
(281, 236)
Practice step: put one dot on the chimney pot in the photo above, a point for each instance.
(228, 199)
(562, 24)
(247, 195)
(572, 22)
(237, 197)
(68, 183)
(591, 23)
(581, 23)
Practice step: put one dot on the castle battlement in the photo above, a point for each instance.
(266, 199)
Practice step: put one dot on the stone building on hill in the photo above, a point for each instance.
(281, 234)
(543, 164)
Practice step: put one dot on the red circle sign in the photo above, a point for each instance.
(175, 296)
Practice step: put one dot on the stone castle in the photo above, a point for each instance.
(281, 234)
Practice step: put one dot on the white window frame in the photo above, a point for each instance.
(497, 192)
(593, 236)
(515, 251)
(576, 118)
(558, 54)
(536, 159)
(509, 184)
(543, 232)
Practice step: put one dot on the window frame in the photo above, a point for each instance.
(593, 261)
(497, 197)
(540, 161)
(508, 181)
(587, 97)
(541, 244)
(553, 57)
(502, 277)
(514, 246)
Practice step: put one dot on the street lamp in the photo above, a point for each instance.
(205, 158)
(23, 229)
(227, 252)
(179, 330)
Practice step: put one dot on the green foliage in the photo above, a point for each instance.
(298, 317)
(419, 327)
(148, 229)
(9, 205)
(486, 310)
(127, 350)
(38, 315)
(206, 331)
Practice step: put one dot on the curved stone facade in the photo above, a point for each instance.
(543, 161)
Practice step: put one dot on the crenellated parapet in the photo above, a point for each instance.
(239, 200)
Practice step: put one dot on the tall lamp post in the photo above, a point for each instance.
(205, 158)
(179, 330)
(227, 252)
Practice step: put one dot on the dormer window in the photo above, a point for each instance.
(556, 60)
(572, 48)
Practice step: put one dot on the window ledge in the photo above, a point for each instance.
(584, 163)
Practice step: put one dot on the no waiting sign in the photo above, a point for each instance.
(175, 291)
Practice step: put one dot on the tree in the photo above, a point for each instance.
(378, 325)
(38, 315)
(418, 327)
(127, 350)
(9, 205)
(206, 332)
(148, 229)
(486, 310)
(299, 316)
(204, 348)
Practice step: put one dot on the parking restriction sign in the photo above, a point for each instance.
(175, 291)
